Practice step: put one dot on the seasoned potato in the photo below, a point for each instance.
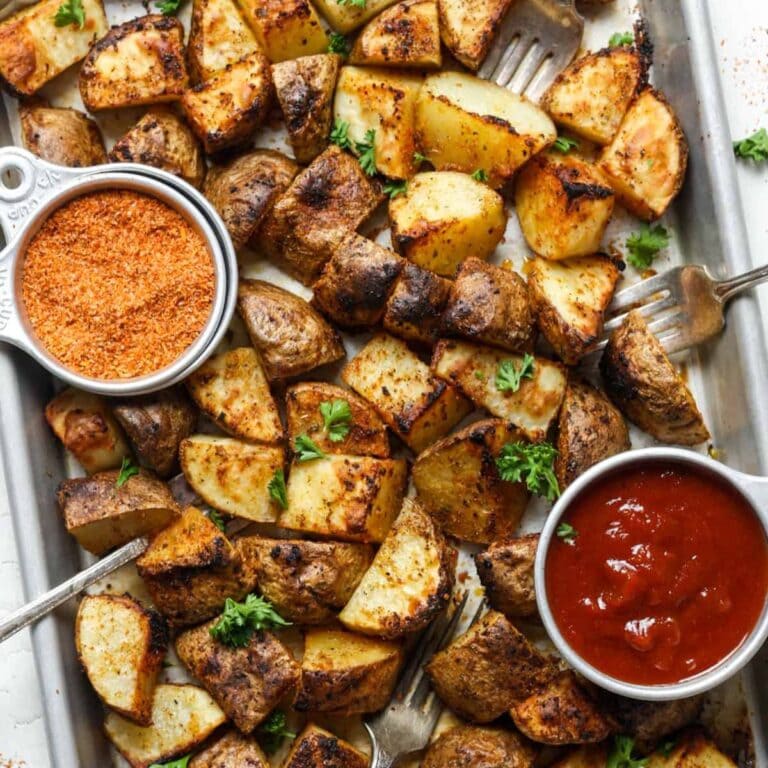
(328, 199)
(480, 674)
(569, 298)
(356, 283)
(643, 383)
(405, 35)
(590, 96)
(409, 582)
(304, 89)
(646, 161)
(469, 26)
(499, 313)
(316, 748)
(473, 369)
(183, 716)
(163, 140)
(246, 682)
(344, 17)
(347, 674)
(86, 427)
(470, 745)
(692, 750)
(102, 515)
(33, 50)
(232, 750)
(564, 206)
(355, 498)
(121, 646)
(505, 570)
(231, 388)
(443, 218)
(291, 337)
(467, 124)
(383, 101)
(367, 434)
(458, 483)
(586, 756)
(138, 62)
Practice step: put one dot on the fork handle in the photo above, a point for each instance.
(727, 289)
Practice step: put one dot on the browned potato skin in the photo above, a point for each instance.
(469, 746)
(367, 434)
(317, 748)
(469, 40)
(643, 383)
(232, 750)
(505, 570)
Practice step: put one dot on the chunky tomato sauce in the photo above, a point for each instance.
(667, 575)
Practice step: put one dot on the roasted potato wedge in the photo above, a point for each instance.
(467, 124)
(231, 388)
(121, 646)
(409, 582)
(344, 17)
(643, 383)
(444, 217)
(347, 674)
(232, 750)
(692, 750)
(317, 748)
(138, 62)
(469, 26)
(470, 745)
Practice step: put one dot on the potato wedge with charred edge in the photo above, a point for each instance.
(409, 582)
(121, 646)
(347, 674)
(348, 16)
(304, 89)
(248, 682)
(643, 383)
(356, 283)
(101, 515)
(691, 750)
(473, 369)
(138, 62)
(646, 161)
(405, 35)
(458, 483)
(183, 716)
(317, 748)
(86, 427)
(443, 218)
(469, 26)
(483, 672)
(419, 407)
(569, 299)
(231, 388)
(230, 751)
(470, 745)
(326, 200)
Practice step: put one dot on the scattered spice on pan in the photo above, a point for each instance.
(117, 284)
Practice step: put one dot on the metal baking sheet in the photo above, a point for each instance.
(727, 377)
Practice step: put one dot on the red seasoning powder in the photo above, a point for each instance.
(117, 284)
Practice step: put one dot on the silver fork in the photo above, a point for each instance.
(536, 41)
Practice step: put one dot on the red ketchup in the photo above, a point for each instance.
(667, 575)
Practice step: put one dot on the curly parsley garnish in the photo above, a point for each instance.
(645, 244)
(418, 158)
(277, 490)
(532, 464)
(510, 375)
(127, 470)
(70, 12)
(367, 153)
(306, 450)
(216, 519)
(240, 620)
(338, 44)
(566, 533)
(337, 419)
(179, 762)
(479, 175)
(395, 188)
(340, 134)
(754, 147)
(168, 7)
(621, 754)
(621, 38)
(564, 145)
(272, 732)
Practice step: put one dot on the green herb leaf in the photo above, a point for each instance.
(532, 464)
(418, 158)
(127, 470)
(273, 730)
(480, 175)
(567, 533)
(306, 450)
(564, 144)
(240, 620)
(216, 519)
(70, 12)
(621, 754)
(168, 7)
(180, 762)
(338, 44)
(510, 375)
(480, 375)
(755, 147)
(395, 188)
(645, 244)
(367, 153)
(355, 3)
(621, 38)
(337, 419)
(339, 134)
(277, 489)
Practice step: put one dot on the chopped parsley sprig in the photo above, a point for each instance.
(273, 730)
(645, 244)
(168, 7)
(277, 490)
(306, 449)
(337, 418)
(532, 464)
(566, 533)
(240, 620)
(70, 12)
(127, 470)
(338, 44)
(754, 147)
(620, 755)
(367, 152)
(355, 3)
(179, 762)
(564, 144)
(510, 375)
(216, 519)
(621, 38)
(340, 134)
(480, 175)
(395, 188)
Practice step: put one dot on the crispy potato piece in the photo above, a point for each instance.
(138, 62)
(646, 161)
(102, 516)
(586, 756)
(354, 498)
(121, 646)
(304, 89)
(480, 674)
(357, 281)
(330, 198)
(344, 17)
(248, 682)
(417, 406)
(231, 388)
(569, 298)
(409, 582)
(405, 35)
(86, 427)
(183, 716)
(367, 434)
(33, 50)
(458, 483)
(473, 370)
(469, 26)
(470, 745)
(467, 124)
(499, 313)
(643, 383)
(505, 570)
(443, 218)
(232, 750)
(316, 748)
(692, 750)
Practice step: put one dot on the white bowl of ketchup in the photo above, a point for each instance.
(652, 573)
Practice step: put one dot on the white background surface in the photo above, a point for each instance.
(740, 29)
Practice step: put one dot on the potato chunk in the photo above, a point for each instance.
(692, 750)
(470, 745)
(469, 26)
(443, 218)
(344, 17)
(121, 646)
(231, 750)
(409, 582)
(316, 748)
